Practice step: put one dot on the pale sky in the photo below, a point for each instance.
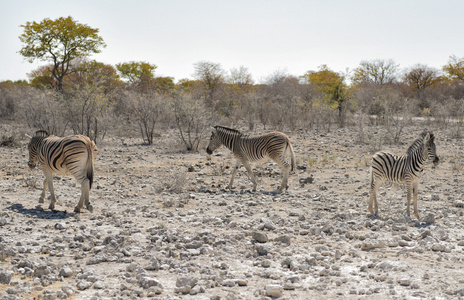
(265, 36)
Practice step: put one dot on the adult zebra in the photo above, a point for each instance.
(73, 155)
(405, 169)
(248, 149)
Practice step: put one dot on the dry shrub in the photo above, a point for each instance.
(8, 136)
(173, 182)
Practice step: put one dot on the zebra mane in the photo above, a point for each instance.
(227, 130)
(419, 142)
(42, 133)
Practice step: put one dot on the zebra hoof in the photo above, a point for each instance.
(51, 206)
(41, 200)
(90, 208)
(77, 209)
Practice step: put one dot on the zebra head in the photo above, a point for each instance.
(214, 142)
(33, 147)
(429, 142)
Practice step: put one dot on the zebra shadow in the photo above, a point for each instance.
(241, 192)
(403, 220)
(40, 213)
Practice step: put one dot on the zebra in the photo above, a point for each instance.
(405, 169)
(74, 155)
(248, 149)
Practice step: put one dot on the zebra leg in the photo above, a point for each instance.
(85, 193)
(234, 172)
(415, 189)
(409, 188)
(250, 173)
(373, 204)
(286, 173)
(45, 185)
(49, 179)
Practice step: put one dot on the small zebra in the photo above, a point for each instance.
(74, 155)
(405, 169)
(253, 148)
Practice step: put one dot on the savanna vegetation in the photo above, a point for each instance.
(71, 93)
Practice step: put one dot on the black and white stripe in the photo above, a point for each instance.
(254, 148)
(74, 155)
(405, 169)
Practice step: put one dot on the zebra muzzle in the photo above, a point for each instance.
(31, 165)
(209, 151)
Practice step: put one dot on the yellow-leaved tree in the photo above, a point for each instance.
(332, 85)
(59, 41)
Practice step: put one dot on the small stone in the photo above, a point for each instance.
(274, 290)
(83, 285)
(438, 247)
(5, 277)
(186, 281)
(153, 266)
(284, 239)
(66, 272)
(41, 271)
(404, 282)
(260, 237)
(266, 263)
(196, 290)
(228, 282)
(99, 285)
(147, 282)
(270, 225)
(60, 226)
(183, 290)
(261, 250)
(370, 246)
(241, 282)
(429, 219)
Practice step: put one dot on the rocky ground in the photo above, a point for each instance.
(163, 226)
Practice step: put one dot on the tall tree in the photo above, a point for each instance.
(455, 68)
(139, 75)
(332, 85)
(59, 41)
(212, 76)
(377, 71)
(95, 73)
(240, 77)
(135, 71)
(420, 77)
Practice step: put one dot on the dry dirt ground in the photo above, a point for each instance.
(163, 226)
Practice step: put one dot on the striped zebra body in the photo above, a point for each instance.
(72, 155)
(248, 149)
(405, 169)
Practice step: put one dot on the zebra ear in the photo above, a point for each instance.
(432, 138)
(427, 137)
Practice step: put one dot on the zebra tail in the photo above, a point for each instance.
(90, 162)
(371, 177)
(292, 155)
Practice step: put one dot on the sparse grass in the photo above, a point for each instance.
(329, 159)
(8, 141)
(375, 144)
(174, 182)
(363, 161)
(311, 162)
(31, 182)
(457, 165)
